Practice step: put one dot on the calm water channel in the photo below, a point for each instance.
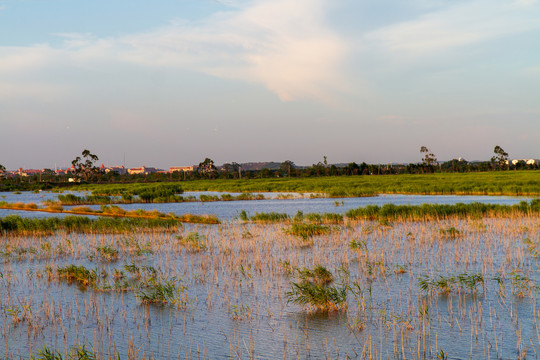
(228, 210)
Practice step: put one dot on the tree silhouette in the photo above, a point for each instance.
(500, 159)
(207, 168)
(85, 167)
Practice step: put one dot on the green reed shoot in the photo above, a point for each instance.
(314, 292)
(306, 231)
(193, 242)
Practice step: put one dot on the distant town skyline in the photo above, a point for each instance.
(171, 83)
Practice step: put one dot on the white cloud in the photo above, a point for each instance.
(458, 25)
(281, 44)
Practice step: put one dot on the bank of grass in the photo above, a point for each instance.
(149, 197)
(388, 212)
(113, 211)
(513, 183)
(442, 211)
(17, 225)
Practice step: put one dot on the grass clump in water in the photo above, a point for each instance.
(306, 231)
(446, 284)
(78, 274)
(269, 217)
(450, 232)
(77, 353)
(105, 253)
(314, 290)
(193, 242)
(159, 291)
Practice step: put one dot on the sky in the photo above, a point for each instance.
(171, 82)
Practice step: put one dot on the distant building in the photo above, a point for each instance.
(142, 170)
(181, 168)
(28, 172)
(118, 169)
(527, 161)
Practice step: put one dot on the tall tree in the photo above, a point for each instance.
(428, 158)
(85, 167)
(237, 168)
(500, 159)
(207, 168)
(287, 166)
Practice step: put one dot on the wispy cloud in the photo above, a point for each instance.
(458, 25)
(284, 45)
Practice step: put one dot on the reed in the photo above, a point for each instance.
(269, 217)
(305, 230)
(78, 274)
(317, 297)
(17, 225)
(406, 289)
(193, 242)
(159, 291)
(442, 211)
(79, 352)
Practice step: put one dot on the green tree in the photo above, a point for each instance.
(207, 168)
(500, 159)
(428, 158)
(353, 169)
(85, 166)
(286, 167)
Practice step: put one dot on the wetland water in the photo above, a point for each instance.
(231, 282)
(227, 210)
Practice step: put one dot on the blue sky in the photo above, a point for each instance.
(171, 82)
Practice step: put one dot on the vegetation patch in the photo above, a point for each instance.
(313, 291)
(306, 231)
(193, 242)
(17, 225)
(441, 211)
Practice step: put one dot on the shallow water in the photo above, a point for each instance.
(235, 304)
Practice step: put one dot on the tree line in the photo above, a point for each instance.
(86, 170)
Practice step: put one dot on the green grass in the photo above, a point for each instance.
(314, 290)
(79, 352)
(436, 211)
(482, 183)
(306, 231)
(159, 291)
(78, 274)
(446, 284)
(16, 225)
(193, 242)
